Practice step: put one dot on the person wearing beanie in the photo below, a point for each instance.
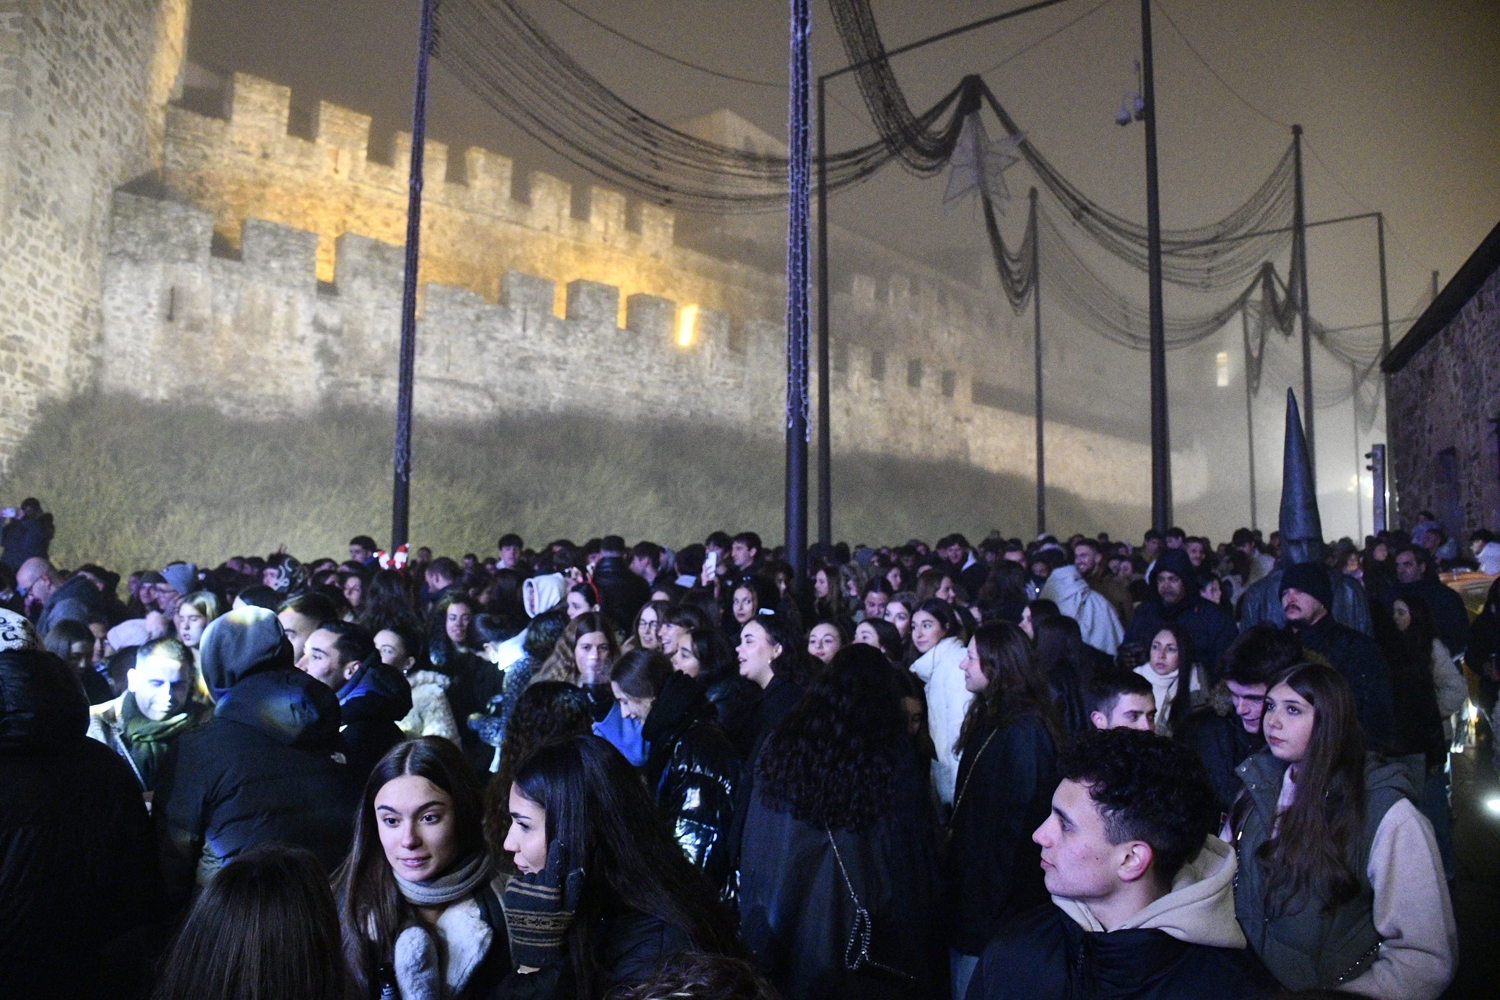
(1175, 601)
(1306, 598)
(267, 767)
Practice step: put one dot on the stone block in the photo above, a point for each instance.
(651, 316)
(862, 288)
(281, 253)
(593, 303)
(343, 129)
(359, 259)
(145, 230)
(551, 202)
(657, 226)
(606, 214)
(258, 108)
(527, 294)
(434, 161)
(489, 179)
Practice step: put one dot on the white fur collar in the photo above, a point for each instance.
(459, 946)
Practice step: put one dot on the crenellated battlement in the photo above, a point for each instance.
(259, 333)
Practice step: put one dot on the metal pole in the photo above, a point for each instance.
(1376, 456)
(1036, 312)
(1249, 423)
(825, 427)
(1299, 220)
(406, 372)
(1385, 348)
(1359, 503)
(1161, 454)
(796, 291)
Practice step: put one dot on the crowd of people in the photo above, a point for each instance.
(1064, 768)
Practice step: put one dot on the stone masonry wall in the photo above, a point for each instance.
(1448, 397)
(262, 336)
(83, 88)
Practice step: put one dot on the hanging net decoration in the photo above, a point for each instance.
(979, 163)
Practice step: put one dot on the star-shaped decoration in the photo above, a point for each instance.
(977, 161)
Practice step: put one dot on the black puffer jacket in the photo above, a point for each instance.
(735, 699)
(1006, 778)
(268, 767)
(78, 872)
(694, 772)
(370, 704)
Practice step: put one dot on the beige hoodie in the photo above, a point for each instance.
(1198, 910)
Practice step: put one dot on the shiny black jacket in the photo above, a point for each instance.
(1044, 953)
(735, 699)
(79, 887)
(694, 772)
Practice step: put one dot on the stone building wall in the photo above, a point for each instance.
(1444, 405)
(83, 90)
(262, 335)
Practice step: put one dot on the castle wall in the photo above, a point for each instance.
(83, 88)
(1445, 420)
(262, 336)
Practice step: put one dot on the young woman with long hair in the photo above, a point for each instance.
(475, 680)
(645, 630)
(1172, 657)
(265, 928)
(898, 611)
(419, 898)
(838, 857)
(583, 653)
(1340, 883)
(1006, 778)
(883, 636)
(605, 894)
(704, 656)
(771, 657)
(938, 635)
(388, 603)
(692, 770)
(1062, 659)
(935, 584)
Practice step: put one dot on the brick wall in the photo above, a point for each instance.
(1443, 407)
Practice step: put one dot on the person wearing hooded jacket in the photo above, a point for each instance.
(938, 634)
(268, 767)
(1096, 617)
(78, 872)
(1175, 601)
(1142, 894)
(373, 698)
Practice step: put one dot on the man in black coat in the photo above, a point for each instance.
(1306, 596)
(373, 697)
(1227, 729)
(621, 592)
(1142, 895)
(80, 891)
(1415, 578)
(27, 534)
(268, 767)
(1176, 602)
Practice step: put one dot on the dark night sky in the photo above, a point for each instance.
(1401, 103)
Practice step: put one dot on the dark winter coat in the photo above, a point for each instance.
(1211, 629)
(79, 885)
(26, 537)
(371, 703)
(1044, 953)
(621, 593)
(694, 772)
(1006, 778)
(775, 702)
(735, 699)
(1359, 659)
(475, 681)
(77, 599)
(1449, 615)
(797, 913)
(1222, 744)
(268, 767)
(1304, 945)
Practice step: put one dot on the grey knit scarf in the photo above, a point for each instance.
(458, 884)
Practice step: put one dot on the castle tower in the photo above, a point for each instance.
(83, 95)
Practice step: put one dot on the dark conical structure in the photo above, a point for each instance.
(1301, 527)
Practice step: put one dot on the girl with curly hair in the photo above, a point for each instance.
(838, 858)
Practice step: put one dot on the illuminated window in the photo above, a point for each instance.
(1223, 369)
(687, 326)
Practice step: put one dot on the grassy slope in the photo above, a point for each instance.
(135, 484)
